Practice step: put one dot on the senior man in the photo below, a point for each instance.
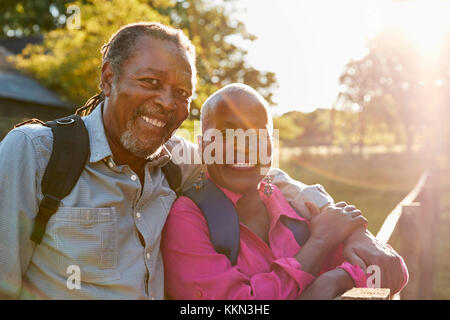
(109, 226)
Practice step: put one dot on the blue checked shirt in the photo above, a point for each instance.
(108, 228)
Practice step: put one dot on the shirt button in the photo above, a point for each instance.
(133, 177)
(148, 255)
(110, 164)
(138, 214)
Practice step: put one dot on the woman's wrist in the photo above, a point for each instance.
(321, 243)
(340, 280)
(312, 255)
(345, 281)
(327, 286)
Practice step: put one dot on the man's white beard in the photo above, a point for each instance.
(131, 143)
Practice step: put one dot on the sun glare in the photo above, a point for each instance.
(308, 43)
(426, 23)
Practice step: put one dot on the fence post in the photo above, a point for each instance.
(429, 197)
(408, 242)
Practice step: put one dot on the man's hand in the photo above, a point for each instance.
(363, 249)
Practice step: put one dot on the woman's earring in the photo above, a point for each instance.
(200, 180)
(268, 189)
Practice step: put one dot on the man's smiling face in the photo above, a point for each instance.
(150, 97)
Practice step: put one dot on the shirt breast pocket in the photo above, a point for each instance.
(87, 238)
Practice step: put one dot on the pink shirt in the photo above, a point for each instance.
(194, 270)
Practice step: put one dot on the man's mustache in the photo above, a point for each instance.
(157, 112)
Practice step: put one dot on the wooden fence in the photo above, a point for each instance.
(411, 229)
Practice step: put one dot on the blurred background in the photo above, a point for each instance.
(360, 89)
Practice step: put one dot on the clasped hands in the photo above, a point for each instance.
(341, 223)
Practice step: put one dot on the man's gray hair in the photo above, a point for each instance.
(122, 45)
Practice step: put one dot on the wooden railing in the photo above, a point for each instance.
(410, 229)
(390, 224)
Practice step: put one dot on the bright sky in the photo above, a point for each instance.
(307, 43)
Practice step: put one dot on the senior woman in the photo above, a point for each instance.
(272, 261)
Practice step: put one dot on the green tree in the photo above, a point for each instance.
(304, 129)
(289, 132)
(69, 60)
(396, 84)
(219, 61)
(23, 18)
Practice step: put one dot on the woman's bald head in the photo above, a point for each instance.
(237, 130)
(236, 98)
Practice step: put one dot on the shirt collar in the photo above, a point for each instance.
(99, 147)
(276, 204)
(161, 159)
(98, 144)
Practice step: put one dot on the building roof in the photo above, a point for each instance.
(16, 45)
(14, 85)
(19, 87)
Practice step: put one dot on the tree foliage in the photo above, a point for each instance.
(220, 62)
(23, 18)
(396, 86)
(304, 129)
(69, 60)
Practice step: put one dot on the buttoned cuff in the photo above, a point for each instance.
(356, 273)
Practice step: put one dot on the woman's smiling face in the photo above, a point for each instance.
(249, 117)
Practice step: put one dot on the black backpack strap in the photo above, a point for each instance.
(223, 221)
(218, 210)
(67, 161)
(221, 216)
(172, 172)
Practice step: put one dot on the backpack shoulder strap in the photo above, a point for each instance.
(67, 161)
(172, 172)
(221, 216)
(218, 210)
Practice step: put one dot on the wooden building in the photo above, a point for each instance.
(22, 97)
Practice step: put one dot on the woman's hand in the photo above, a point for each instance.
(335, 223)
(328, 229)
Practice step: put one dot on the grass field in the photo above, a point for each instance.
(376, 185)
